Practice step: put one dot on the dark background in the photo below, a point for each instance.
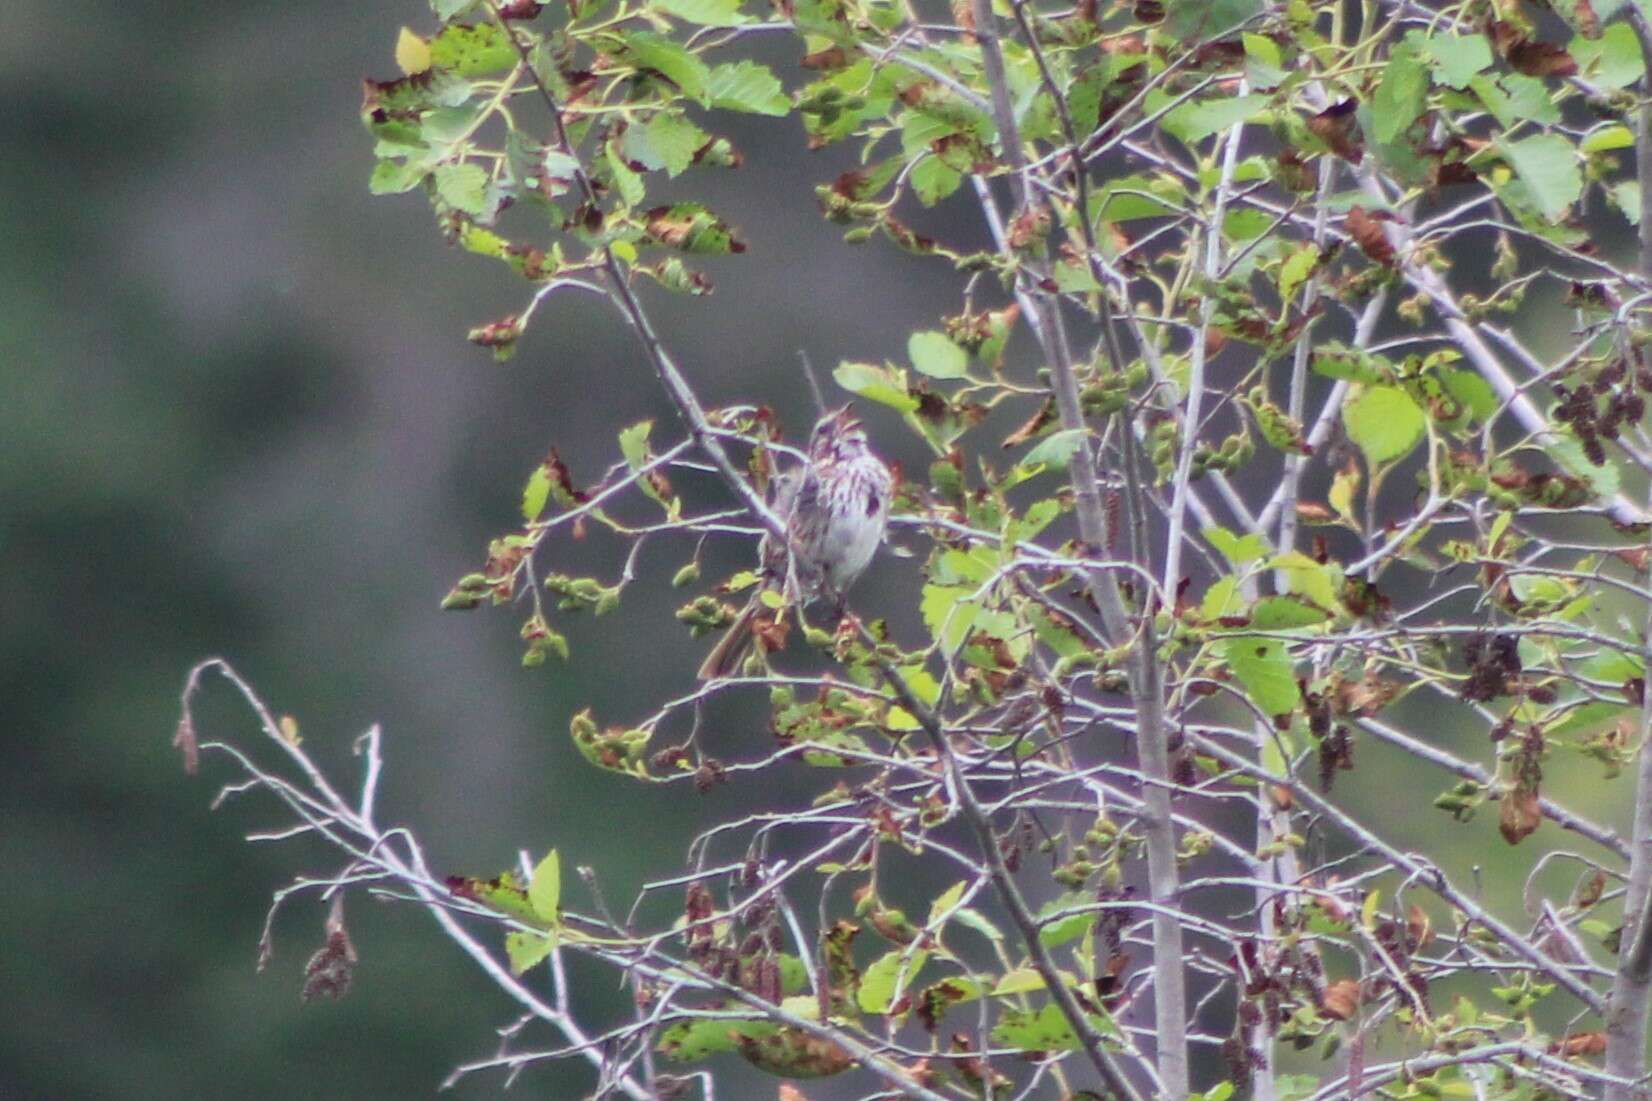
(238, 416)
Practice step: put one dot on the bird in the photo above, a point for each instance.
(835, 506)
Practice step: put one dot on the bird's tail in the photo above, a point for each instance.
(730, 651)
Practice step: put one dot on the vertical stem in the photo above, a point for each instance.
(1626, 1013)
(1145, 675)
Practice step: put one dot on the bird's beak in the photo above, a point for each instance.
(846, 416)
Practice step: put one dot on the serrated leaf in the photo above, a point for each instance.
(948, 898)
(1263, 65)
(749, 87)
(933, 179)
(1402, 94)
(646, 50)
(1457, 57)
(524, 949)
(1284, 613)
(633, 443)
(630, 184)
(393, 177)
(1056, 450)
(1196, 120)
(1548, 165)
(1296, 269)
(878, 982)
(692, 1040)
(875, 383)
(1264, 668)
(665, 141)
(1613, 60)
(478, 50)
(545, 889)
(1197, 20)
(1070, 927)
(463, 187)
(1385, 421)
(690, 227)
(1238, 550)
(706, 13)
(934, 354)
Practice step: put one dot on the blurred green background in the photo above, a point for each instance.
(239, 417)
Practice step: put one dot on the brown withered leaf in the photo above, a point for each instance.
(1526, 54)
(832, 57)
(1337, 127)
(794, 1054)
(1588, 22)
(1341, 999)
(1034, 425)
(1419, 929)
(1312, 512)
(1366, 230)
(1590, 890)
(1579, 1043)
(333, 966)
(1519, 814)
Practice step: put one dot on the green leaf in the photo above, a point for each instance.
(536, 493)
(1071, 926)
(664, 141)
(692, 1040)
(946, 900)
(935, 355)
(1045, 1030)
(633, 443)
(1196, 120)
(690, 227)
(545, 889)
(933, 179)
(1263, 66)
(1023, 980)
(463, 187)
(1402, 95)
(1456, 57)
(1194, 20)
(630, 184)
(393, 177)
(1056, 450)
(472, 50)
(1236, 549)
(1222, 598)
(646, 50)
(707, 13)
(1284, 613)
(1606, 137)
(1264, 668)
(1468, 387)
(877, 983)
(524, 949)
(749, 87)
(1385, 422)
(1296, 269)
(1568, 452)
(875, 383)
(1317, 581)
(1548, 165)
(1613, 60)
